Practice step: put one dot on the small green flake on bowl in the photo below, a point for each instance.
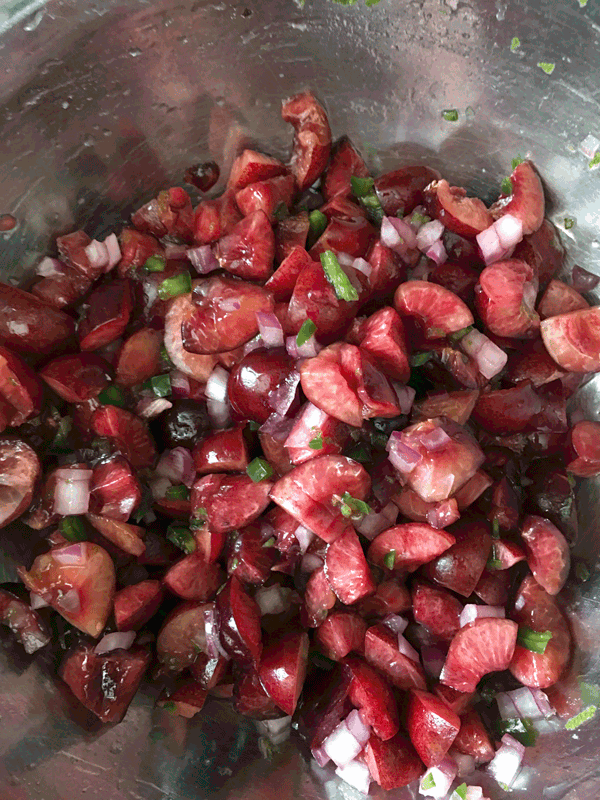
(547, 66)
(515, 44)
(450, 115)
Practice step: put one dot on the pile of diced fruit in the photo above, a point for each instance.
(305, 448)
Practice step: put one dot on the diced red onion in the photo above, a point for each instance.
(490, 246)
(405, 395)
(357, 727)
(490, 358)
(114, 251)
(304, 537)
(471, 612)
(589, 146)
(69, 602)
(253, 344)
(434, 658)
(507, 708)
(309, 349)
(402, 457)
(374, 523)
(214, 648)
(443, 514)
(203, 259)
(405, 232)
(582, 280)
(407, 649)
(151, 407)
(356, 774)
(159, 487)
(441, 776)
(36, 601)
(72, 493)
(320, 756)
(360, 265)
(49, 268)
(506, 764)
(473, 793)
(435, 439)
(178, 466)
(276, 730)
(180, 383)
(270, 329)
(429, 234)
(390, 236)
(176, 251)
(509, 230)
(122, 640)
(282, 398)
(465, 764)
(525, 703)
(344, 259)
(273, 599)
(341, 746)
(437, 252)
(97, 254)
(277, 427)
(395, 623)
(310, 562)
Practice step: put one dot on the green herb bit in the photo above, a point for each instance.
(112, 396)
(494, 564)
(583, 3)
(569, 223)
(161, 385)
(165, 357)
(428, 782)
(259, 469)
(389, 560)
(506, 186)
(547, 66)
(173, 287)
(582, 572)
(370, 202)
(458, 335)
(73, 529)
(595, 160)
(169, 706)
(181, 537)
(522, 730)
(583, 716)
(361, 187)
(371, 3)
(155, 264)
(515, 43)
(180, 492)
(495, 529)
(317, 222)
(460, 792)
(469, 112)
(450, 115)
(419, 219)
(145, 506)
(516, 162)
(346, 2)
(357, 506)
(360, 453)
(536, 641)
(270, 542)
(316, 443)
(418, 359)
(307, 330)
(337, 277)
(590, 693)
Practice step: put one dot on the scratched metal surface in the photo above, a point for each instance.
(106, 102)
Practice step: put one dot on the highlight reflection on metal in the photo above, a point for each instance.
(106, 102)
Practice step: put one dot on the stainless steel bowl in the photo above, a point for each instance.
(104, 102)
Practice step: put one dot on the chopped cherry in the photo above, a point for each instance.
(250, 167)
(109, 309)
(382, 336)
(282, 669)
(19, 472)
(139, 357)
(464, 215)
(116, 492)
(283, 280)
(251, 558)
(431, 725)
(573, 340)
(347, 569)
(526, 200)
(239, 622)
(382, 651)
(215, 218)
(249, 249)
(25, 623)
(473, 739)
(585, 441)
(560, 298)
(183, 636)
(405, 547)
(393, 763)
(505, 299)
(548, 553)
(128, 433)
(460, 567)
(227, 502)
(291, 232)
(341, 633)
(346, 162)
(78, 377)
(267, 196)
(319, 598)
(223, 451)
(436, 609)
(312, 142)
(437, 310)
(30, 326)
(193, 578)
(135, 605)
(373, 697)
(256, 379)
(402, 190)
(182, 312)
(128, 538)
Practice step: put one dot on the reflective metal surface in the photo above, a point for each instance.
(106, 102)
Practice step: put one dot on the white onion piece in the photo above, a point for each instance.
(214, 648)
(273, 599)
(69, 602)
(490, 246)
(97, 254)
(402, 457)
(36, 601)
(405, 232)
(72, 495)
(506, 764)
(471, 612)
(490, 358)
(435, 439)
(49, 268)
(277, 731)
(203, 259)
(405, 395)
(357, 727)
(320, 756)
(309, 349)
(434, 658)
(589, 146)
(180, 383)
(115, 641)
(429, 234)
(159, 486)
(360, 265)
(73, 474)
(151, 407)
(270, 329)
(217, 397)
(473, 793)
(356, 774)
(509, 230)
(114, 251)
(465, 765)
(282, 398)
(407, 649)
(507, 708)
(395, 623)
(341, 746)
(304, 536)
(372, 524)
(527, 703)
(437, 252)
(441, 777)
(344, 259)
(310, 562)
(178, 466)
